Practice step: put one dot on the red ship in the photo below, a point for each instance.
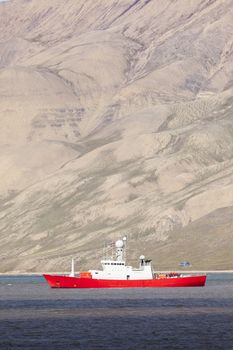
(116, 274)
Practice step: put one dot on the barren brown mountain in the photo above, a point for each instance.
(116, 119)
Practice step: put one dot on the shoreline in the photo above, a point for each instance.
(17, 273)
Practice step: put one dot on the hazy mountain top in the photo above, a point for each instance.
(116, 118)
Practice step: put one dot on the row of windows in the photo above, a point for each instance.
(114, 264)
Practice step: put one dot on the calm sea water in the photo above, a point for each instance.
(33, 316)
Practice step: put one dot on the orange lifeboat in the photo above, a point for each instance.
(85, 274)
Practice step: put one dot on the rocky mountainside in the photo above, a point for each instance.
(116, 119)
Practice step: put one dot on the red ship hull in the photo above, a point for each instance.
(77, 282)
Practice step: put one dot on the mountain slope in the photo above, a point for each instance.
(116, 118)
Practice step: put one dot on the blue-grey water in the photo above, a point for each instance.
(33, 316)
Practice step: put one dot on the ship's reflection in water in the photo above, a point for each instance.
(33, 316)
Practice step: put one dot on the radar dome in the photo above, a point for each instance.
(119, 243)
(142, 257)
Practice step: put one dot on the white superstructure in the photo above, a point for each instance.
(117, 269)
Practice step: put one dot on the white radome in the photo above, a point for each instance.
(119, 243)
(142, 257)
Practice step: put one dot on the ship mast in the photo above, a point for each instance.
(72, 268)
(120, 249)
(125, 246)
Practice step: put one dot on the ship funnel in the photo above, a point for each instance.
(72, 268)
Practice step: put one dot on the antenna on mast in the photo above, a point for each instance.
(124, 239)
